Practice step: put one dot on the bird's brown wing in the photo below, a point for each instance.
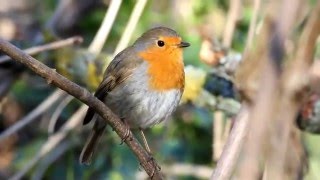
(118, 71)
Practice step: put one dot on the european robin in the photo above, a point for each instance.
(143, 85)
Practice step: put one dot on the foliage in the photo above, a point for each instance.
(187, 138)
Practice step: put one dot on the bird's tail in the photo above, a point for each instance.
(92, 141)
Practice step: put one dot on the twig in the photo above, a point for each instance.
(104, 30)
(86, 97)
(46, 47)
(218, 126)
(133, 21)
(59, 150)
(53, 141)
(232, 148)
(57, 112)
(233, 16)
(55, 96)
(253, 23)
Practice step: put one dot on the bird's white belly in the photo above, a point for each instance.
(139, 106)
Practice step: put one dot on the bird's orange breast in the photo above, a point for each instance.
(166, 69)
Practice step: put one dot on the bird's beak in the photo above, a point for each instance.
(183, 44)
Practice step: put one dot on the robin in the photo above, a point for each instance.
(143, 85)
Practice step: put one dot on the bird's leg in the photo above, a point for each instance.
(146, 146)
(145, 142)
(127, 134)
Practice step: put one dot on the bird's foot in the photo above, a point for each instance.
(127, 135)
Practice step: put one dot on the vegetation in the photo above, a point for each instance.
(251, 65)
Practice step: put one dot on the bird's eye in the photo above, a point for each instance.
(160, 43)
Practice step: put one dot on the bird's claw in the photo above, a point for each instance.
(156, 167)
(126, 135)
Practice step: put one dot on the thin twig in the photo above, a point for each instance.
(59, 150)
(57, 112)
(53, 141)
(46, 47)
(46, 104)
(133, 21)
(232, 148)
(104, 30)
(86, 97)
(233, 17)
(253, 23)
(218, 126)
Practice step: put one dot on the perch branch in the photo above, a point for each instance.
(86, 97)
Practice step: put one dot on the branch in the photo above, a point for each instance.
(56, 114)
(86, 97)
(253, 23)
(44, 164)
(104, 30)
(233, 16)
(46, 47)
(133, 21)
(232, 148)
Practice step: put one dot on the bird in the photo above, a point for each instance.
(142, 85)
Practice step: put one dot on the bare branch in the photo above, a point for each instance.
(133, 21)
(253, 23)
(44, 164)
(233, 17)
(231, 151)
(104, 30)
(57, 113)
(46, 47)
(217, 140)
(86, 97)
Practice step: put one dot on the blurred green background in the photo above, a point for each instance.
(184, 141)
